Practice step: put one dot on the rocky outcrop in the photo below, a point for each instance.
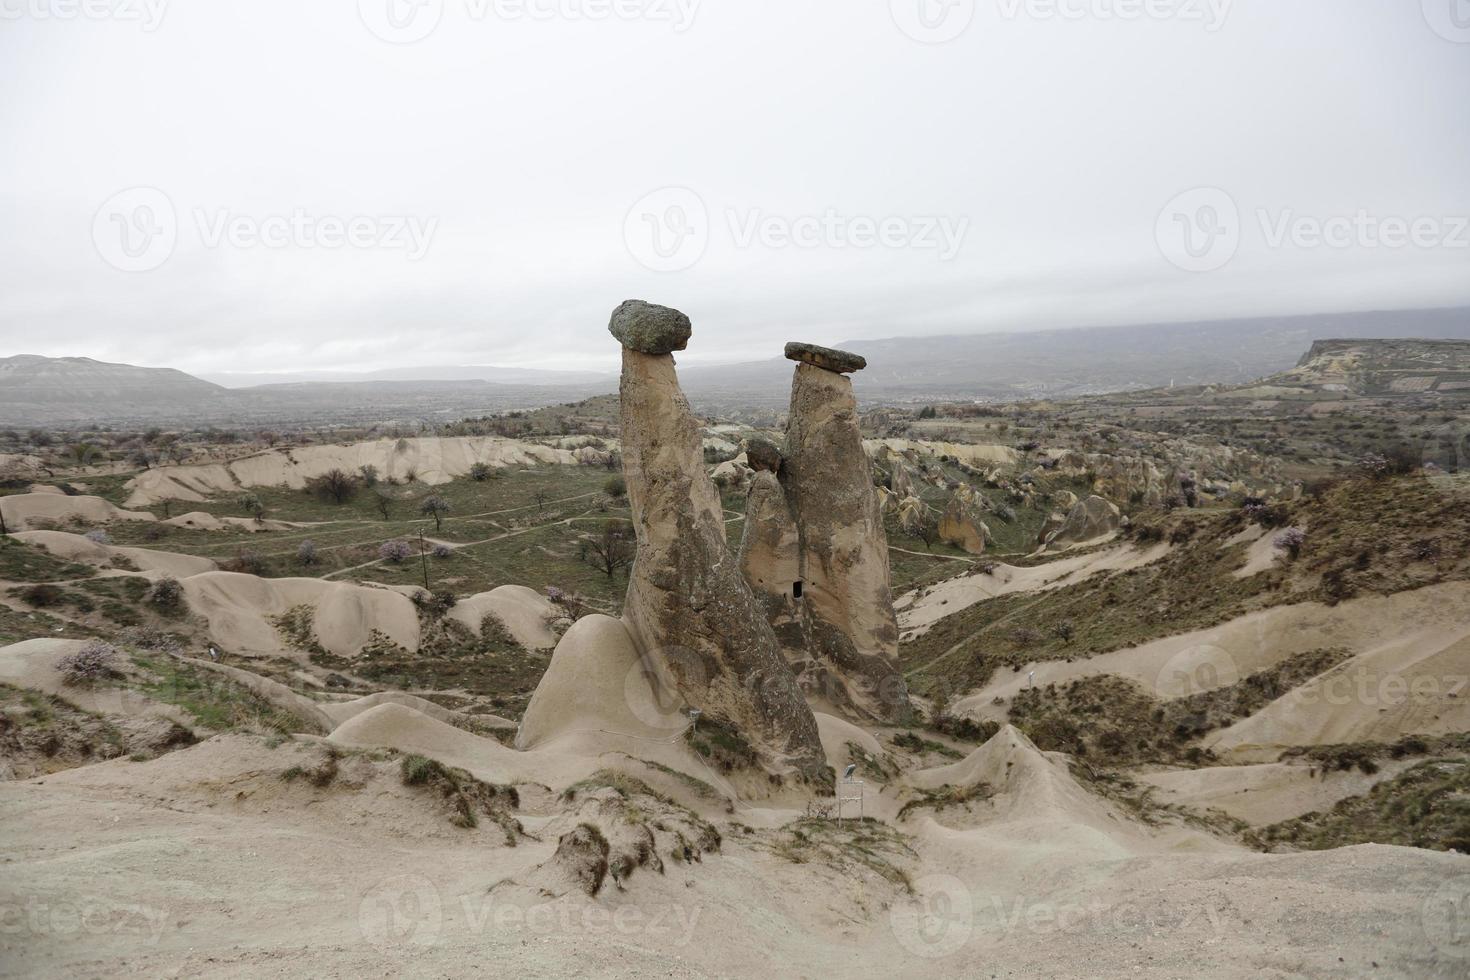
(732, 473)
(911, 513)
(962, 523)
(818, 554)
(691, 614)
(763, 454)
(1049, 527)
(899, 479)
(592, 456)
(1087, 520)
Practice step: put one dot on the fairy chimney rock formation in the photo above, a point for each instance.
(694, 619)
(826, 587)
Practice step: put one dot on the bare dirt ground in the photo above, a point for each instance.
(205, 862)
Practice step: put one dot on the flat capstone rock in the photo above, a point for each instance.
(840, 361)
(650, 329)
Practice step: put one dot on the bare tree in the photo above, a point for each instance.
(926, 529)
(541, 497)
(384, 503)
(612, 548)
(252, 505)
(436, 507)
(83, 453)
(335, 485)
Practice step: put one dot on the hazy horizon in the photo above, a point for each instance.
(312, 373)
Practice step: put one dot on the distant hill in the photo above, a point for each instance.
(1385, 367)
(997, 366)
(40, 389)
(1077, 361)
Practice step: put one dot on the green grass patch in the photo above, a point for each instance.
(464, 797)
(215, 701)
(1425, 806)
(847, 845)
(1115, 721)
(22, 562)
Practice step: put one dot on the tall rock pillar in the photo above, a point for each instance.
(844, 549)
(694, 619)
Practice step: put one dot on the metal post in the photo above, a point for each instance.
(849, 784)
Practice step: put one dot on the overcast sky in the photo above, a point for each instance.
(270, 185)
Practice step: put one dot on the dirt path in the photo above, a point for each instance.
(403, 528)
(467, 544)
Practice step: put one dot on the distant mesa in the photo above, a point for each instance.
(840, 361)
(650, 329)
